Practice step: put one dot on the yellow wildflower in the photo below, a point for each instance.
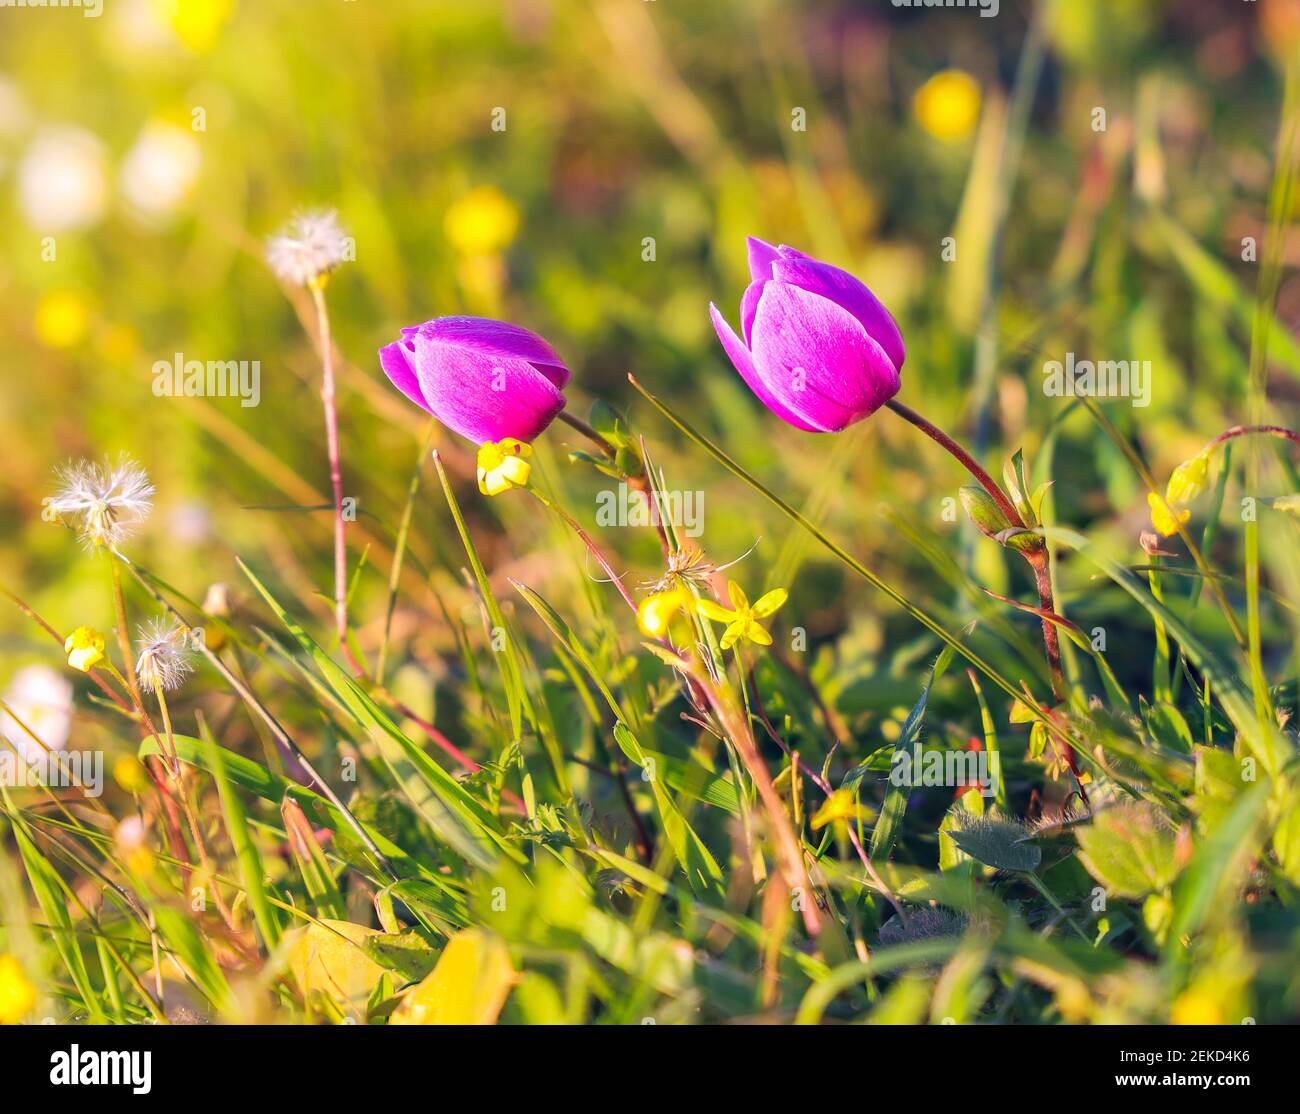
(1197, 1007)
(502, 465)
(482, 222)
(1164, 517)
(85, 649)
(62, 318)
(742, 620)
(656, 611)
(948, 105)
(17, 995)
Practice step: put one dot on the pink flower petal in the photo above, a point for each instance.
(817, 359)
(740, 357)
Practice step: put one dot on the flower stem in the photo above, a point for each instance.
(964, 458)
(639, 483)
(1039, 559)
(327, 394)
(588, 432)
(1242, 430)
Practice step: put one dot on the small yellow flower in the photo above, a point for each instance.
(1164, 517)
(655, 612)
(840, 808)
(948, 105)
(742, 622)
(62, 318)
(17, 994)
(503, 464)
(129, 774)
(482, 222)
(85, 649)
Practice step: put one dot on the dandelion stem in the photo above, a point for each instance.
(124, 637)
(327, 394)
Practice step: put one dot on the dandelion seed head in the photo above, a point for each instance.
(309, 247)
(164, 660)
(104, 502)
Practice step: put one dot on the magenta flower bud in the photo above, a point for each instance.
(485, 379)
(819, 349)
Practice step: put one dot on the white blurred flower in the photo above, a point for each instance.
(62, 179)
(190, 523)
(138, 27)
(13, 109)
(159, 171)
(105, 503)
(42, 700)
(309, 247)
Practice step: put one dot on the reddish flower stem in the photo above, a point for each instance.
(1039, 560)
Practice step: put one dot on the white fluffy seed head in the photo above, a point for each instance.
(164, 660)
(309, 247)
(104, 502)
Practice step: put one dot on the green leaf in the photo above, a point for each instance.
(1130, 849)
(1218, 865)
(891, 813)
(250, 862)
(511, 674)
(51, 895)
(997, 842)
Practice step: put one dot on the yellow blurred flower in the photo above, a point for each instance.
(17, 994)
(482, 222)
(1197, 1007)
(502, 465)
(656, 611)
(85, 649)
(948, 105)
(129, 774)
(1164, 518)
(62, 318)
(1188, 480)
(197, 23)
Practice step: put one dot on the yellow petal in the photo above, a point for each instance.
(655, 612)
(738, 598)
(85, 649)
(469, 985)
(767, 604)
(757, 634)
(731, 634)
(1188, 480)
(715, 611)
(1164, 518)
